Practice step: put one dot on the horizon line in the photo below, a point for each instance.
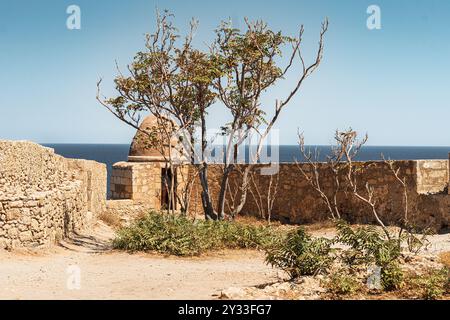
(293, 145)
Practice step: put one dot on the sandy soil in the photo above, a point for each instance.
(106, 274)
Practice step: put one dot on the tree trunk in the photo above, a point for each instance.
(244, 189)
(172, 201)
(208, 208)
(203, 174)
(223, 190)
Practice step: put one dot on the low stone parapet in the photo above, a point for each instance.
(45, 197)
(127, 210)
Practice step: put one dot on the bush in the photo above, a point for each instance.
(342, 284)
(391, 277)
(181, 236)
(298, 254)
(434, 284)
(369, 244)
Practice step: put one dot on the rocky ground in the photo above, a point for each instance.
(107, 274)
(435, 255)
(313, 288)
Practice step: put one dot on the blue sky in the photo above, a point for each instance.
(392, 83)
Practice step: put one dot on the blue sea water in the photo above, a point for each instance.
(112, 153)
(104, 153)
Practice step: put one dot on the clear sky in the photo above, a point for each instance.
(392, 83)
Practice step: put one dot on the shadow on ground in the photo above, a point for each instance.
(98, 241)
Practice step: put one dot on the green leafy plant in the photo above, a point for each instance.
(434, 284)
(299, 254)
(392, 277)
(181, 236)
(342, 284)
(369, 243)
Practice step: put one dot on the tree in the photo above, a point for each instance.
(173, 82)
(334, 163)
(249, 65)
(176, 82)
(264, 196)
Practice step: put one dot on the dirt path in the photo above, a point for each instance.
(106, 274)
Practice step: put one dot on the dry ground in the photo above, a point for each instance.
(107, 274)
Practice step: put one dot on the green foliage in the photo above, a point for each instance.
(181, 236)
(391, 277)
(299, 254)
(434, 284)
(249, 64)
(342, 284)
(369, 244)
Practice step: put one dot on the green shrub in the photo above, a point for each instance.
(342, 284)
(391, 277)
(181, 236)
(369, 244)
(299, 254)
(434, 284)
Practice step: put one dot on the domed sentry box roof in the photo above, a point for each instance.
(142, 150)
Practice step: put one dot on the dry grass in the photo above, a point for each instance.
(445, 258)
(111, 220)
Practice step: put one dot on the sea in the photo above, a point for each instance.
(112, 153)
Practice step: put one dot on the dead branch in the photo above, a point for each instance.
(313, 177)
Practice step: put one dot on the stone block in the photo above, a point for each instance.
(13, 233)
(30, 204)
(15, 204)
(13, 214)
(34, 225)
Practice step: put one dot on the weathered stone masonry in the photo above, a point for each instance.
(297, 201)
(45, 197)
(139, 183)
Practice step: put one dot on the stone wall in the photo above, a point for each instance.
(127, 210)
(298, 202)
(137, 181)
(45, 197)
(93, 176)
(432, 176)
(142, 182)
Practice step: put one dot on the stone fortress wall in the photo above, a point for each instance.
(139, 182)
(45, 197)
(297, 201)
(135, 188)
